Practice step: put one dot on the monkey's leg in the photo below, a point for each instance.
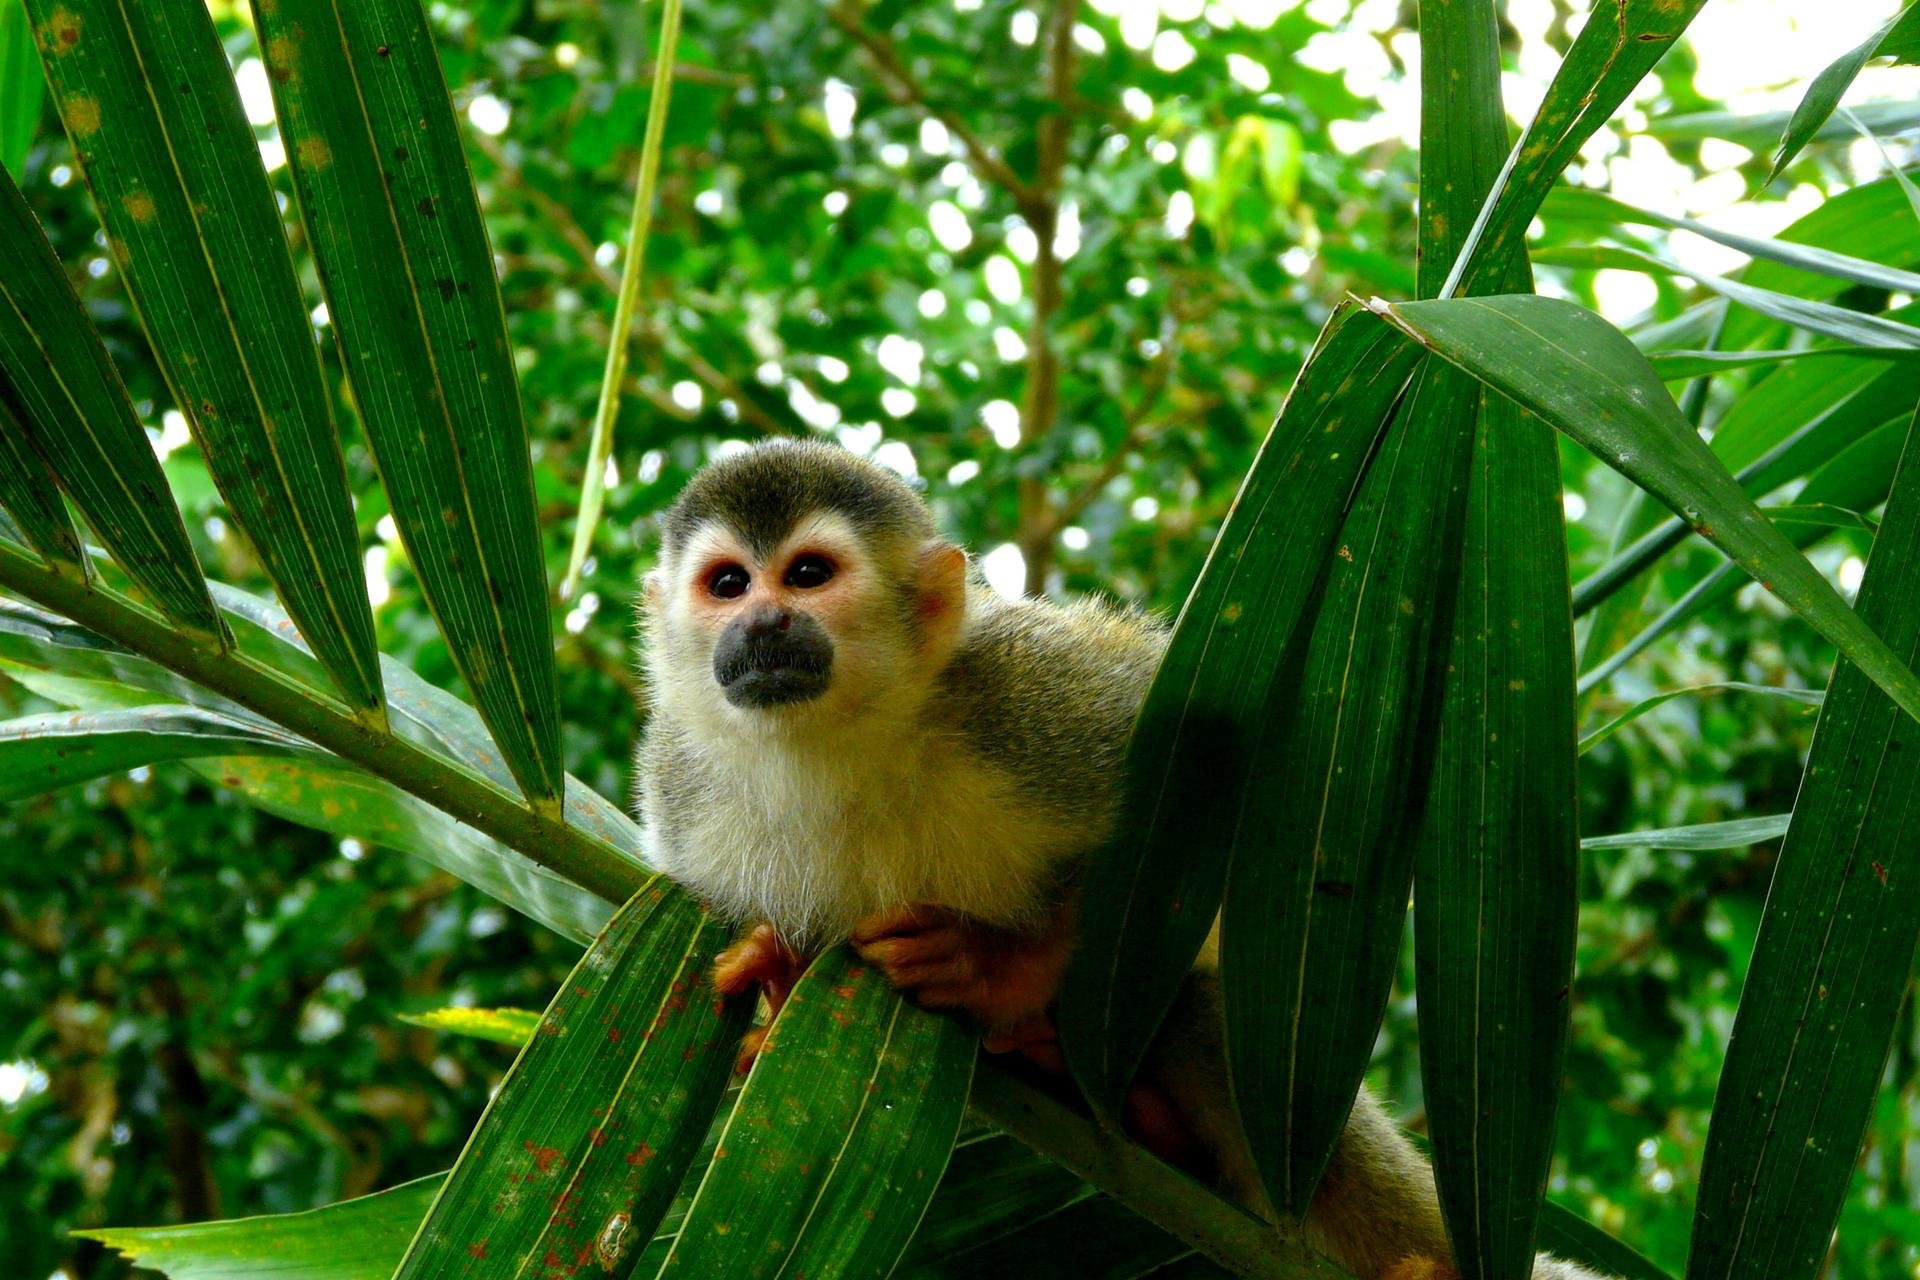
(758, 958)
(1004, 979)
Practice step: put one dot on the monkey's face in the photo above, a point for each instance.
(820, 626)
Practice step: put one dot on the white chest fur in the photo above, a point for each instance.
(815, 836)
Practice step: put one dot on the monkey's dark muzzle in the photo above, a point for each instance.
(773, 658)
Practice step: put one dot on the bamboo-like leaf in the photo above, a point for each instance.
(358, 1239)
(1675, 366)
(1580, 202)
(21, 89)
(1831, 84)
(1833, 959)
(389, 207)
(502, 1026)
(1761, 129)
(1858, 478)
(1606, 61)
(839, 1139)
(1583, 376)
(1568, 1235)
(1870, 220)
(39, 753)
(1150, 896)
(1809, 697)
(1791, 423)
(1496, 871)
(155, 119)
(1813, 316)
(335, 797)
(30, 495)
(69, 664)
(67, 397)
(1496, 859)
(579, 1153)
(1908, 187)
(1735, 834)
(1317, 892)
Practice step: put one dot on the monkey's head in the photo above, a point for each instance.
(799, 584)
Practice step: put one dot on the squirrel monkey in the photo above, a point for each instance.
(851, 737)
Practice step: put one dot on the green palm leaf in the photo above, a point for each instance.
(839, 1139)
(157, 127)
(69, 408)
(1833, 959)
(580, 1151)
(389, 207)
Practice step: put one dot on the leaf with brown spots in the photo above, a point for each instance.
(838, 1140)
(408, 275)
(198, 239)
(588, 1130)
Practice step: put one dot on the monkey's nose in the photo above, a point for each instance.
(768, 622)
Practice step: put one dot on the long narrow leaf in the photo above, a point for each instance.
(21, 89)
(1317, 892)
(389, 206)
(30, 495)
(1823, 318)
(1810, 697)
(67, 397)
(1831, 84)
(1580, 202)
(359, 1239)
(334, 797)
(1582, 375)
(1150, 896)
(157, 127)
(1762, 129)
(839, 1139)
(1496, 873)
(40, 753)
(579, 1153)
(1607, 59)
(1833, 959)
(1735, 834)
(1673, 366)
(1859, 479)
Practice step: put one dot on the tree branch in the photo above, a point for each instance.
(1041, 408)
(904, 89)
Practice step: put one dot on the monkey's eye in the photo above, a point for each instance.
(728, 582)
(809, 570)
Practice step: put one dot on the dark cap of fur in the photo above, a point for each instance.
(763, 493)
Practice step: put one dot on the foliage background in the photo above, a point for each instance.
(199, 1003)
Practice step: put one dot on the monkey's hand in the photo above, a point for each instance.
(1005, 980)
(760, 957)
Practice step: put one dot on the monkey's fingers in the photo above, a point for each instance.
(758, 957)
(900, 921)
(750, 1045)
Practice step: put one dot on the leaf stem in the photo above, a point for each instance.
(593, 489)
(321, 719)
(1157, 1192)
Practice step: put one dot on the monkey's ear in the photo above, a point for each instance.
(654, 586)
(941, 599)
